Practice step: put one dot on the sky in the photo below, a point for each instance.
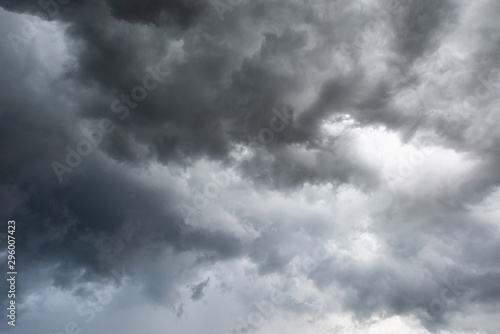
(264, 166)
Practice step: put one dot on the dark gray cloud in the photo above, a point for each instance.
(158, 12)
(197, 289)
(371, 126)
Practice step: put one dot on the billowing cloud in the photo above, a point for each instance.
(237, 166)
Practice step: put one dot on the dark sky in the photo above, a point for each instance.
(264, 166)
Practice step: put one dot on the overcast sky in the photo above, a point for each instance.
(260, 166)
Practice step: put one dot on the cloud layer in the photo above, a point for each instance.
(268, 166)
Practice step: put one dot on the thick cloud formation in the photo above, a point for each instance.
(268, 166)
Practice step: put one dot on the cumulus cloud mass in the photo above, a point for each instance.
(264, 166)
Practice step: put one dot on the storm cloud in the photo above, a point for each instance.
(252, 166)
